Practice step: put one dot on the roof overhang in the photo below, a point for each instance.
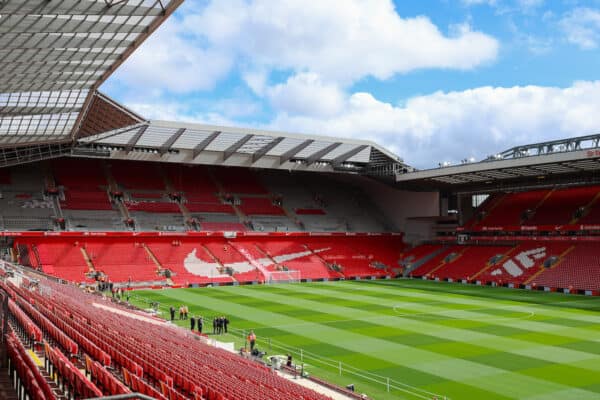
(561, 161)
(55, 54)
(241, 147)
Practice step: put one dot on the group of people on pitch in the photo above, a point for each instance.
(220, 325)
(183, 312)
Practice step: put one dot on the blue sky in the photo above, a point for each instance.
(432, 80)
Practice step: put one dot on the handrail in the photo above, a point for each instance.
(124, 396)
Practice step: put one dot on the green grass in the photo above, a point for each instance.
(459, 341)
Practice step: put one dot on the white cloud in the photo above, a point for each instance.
(455, 125)
(307, 94)
(582, 27)
(508, 6)
(527, 4)
(340, 40)
(173, 111)
(174, 62)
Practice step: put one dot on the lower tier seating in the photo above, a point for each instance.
(214, 259)
(579, 268)
(146, 355)
(553, 264)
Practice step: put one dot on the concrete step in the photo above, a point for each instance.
(6, 390)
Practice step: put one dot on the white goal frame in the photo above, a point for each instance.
(291, 276)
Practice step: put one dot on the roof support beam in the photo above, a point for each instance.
(260, 153)
(349, 154)
(228, 152)
(23, 111)
(76, 7)
(170, 141)
(317, 155)
(285, 157)
(202, 145)
(133, 141)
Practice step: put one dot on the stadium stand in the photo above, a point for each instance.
(578, 269)
(513, 207)
(239, 181)
(469, 262)
(562, 204)
(172, 366)
(96, 195)
(259, 206)
(522, 262)
(211, 259)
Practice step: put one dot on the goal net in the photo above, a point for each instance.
(283, 277)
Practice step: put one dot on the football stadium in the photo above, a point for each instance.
(152, 259)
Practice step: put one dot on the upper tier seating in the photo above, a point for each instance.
(593, 215)
(223, 226)
(239, 180)
(259, 206)
(309, 211)
(88, 187)
(192, 180)
(152, 206)
(5, 176)
(140, 176)
(509, 211)
(84, 184)
(86, 200)
(484, 208)
(210, 208)
(560, 207)
(79, 174)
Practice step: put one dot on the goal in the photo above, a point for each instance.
(283, 277)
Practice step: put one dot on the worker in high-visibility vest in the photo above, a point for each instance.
(252, 340)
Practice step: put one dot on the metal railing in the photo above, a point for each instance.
(308, 358)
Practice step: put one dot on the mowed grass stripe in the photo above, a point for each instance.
(583, 304)
(317, 345)
(353, 342)
(545, 310)
(517, 344)
(585, 308)
(459, 372)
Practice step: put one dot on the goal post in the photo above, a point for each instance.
(292, 276)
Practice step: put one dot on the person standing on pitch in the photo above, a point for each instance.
(214, 325)
(200, 323)
(172, 311)
(251, 340)
(225, 323)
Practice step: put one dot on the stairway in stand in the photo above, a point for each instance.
(6, 390)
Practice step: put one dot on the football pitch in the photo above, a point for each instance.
(412, 339)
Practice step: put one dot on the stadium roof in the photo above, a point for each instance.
(218, 145)
(572, 160)
(55, 54)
